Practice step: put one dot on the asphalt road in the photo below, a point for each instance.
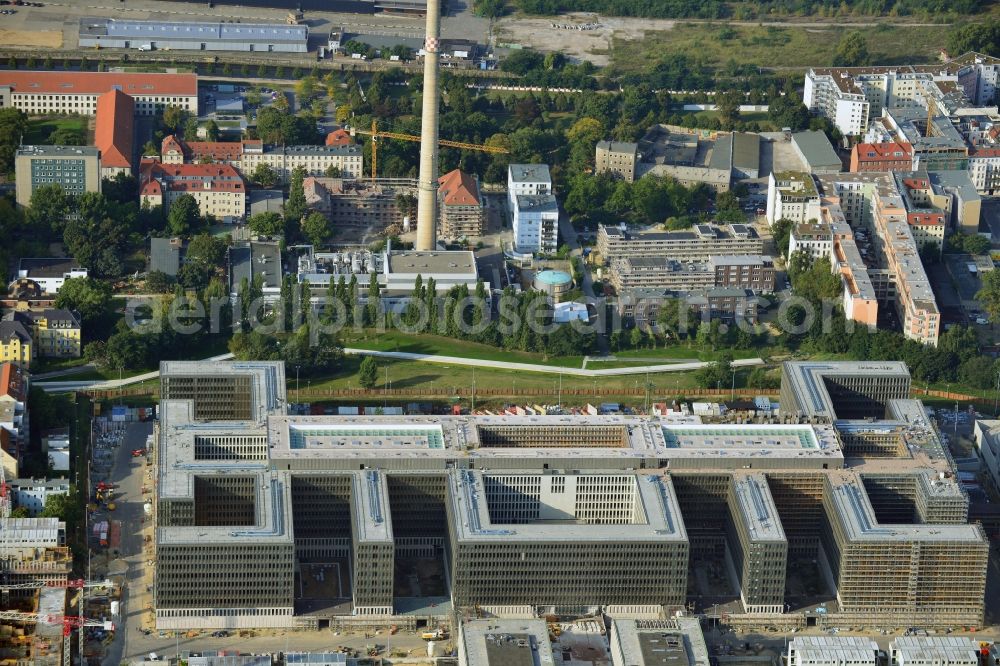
(128, 474)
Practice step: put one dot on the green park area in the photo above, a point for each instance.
(57, 130)
(714, 45)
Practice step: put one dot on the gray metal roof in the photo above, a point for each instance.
(956, 181)
(47, 266)
(164, 256)
(194, 31)
(619, 146)
(545, 203)
(722, 154)
(816, 150)
(530, 173)
(746, 151)
(58, 151)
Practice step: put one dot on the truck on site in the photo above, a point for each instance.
(435, 635)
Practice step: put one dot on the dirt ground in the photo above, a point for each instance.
(593, 45)
(325, 580)
(419, 577)
(39, 38)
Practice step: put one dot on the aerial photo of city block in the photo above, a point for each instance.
(500, 333)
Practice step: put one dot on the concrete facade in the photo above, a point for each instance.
(77, 169)
(550, 512)
(617, 158)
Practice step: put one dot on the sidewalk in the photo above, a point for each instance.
(533, 367)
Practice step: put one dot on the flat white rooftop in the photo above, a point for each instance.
(952, 650)
(722, 441)
(677, 642)
(757, 509)
(853, 650)
(663, 521)
(496, 642)
(857, 516)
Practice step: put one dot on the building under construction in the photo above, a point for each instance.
(34, 550)
(272, 520)
(373, 205)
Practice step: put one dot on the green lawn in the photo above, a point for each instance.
(42, 365)
(773, 46)
(434, 344)
(440, 376)
(704, 116)
(40, 128)
(681, 353)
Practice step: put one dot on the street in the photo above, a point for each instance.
(128, 474)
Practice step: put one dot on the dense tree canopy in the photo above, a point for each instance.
(184, 216)
(982, 36)
(13, 125)
(90, 297)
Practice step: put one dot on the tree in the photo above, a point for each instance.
(191, 129)
(989, 294)
(194, 275)
(159, 282)
(852, 51)
(264, 175)
(374, 301)
(123, 188)
(316, 228)
(728, 208)
(206, 249)
(65, 506)
(718, 373)
(296, 207)
(675, 318)
(90, 297)
(981, 35)
(48, 209)
(66, 136)
(813, 279)
(98, 234)
(184, 216)
(20, 512)
(368, 372)
(728, 105)
(332, 171)
(781, 230)
(267, 224)
(489, 8)
(968, 243)
(174, 117)
(211, 131)
(13, 126)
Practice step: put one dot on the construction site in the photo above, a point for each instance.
(818, 518)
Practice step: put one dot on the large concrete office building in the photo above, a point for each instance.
(559, 540)
(193, 36)
(273, 520)
(77, 169)
(859, 390)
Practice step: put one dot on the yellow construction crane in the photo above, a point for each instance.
(931, 112)
(375, 134)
